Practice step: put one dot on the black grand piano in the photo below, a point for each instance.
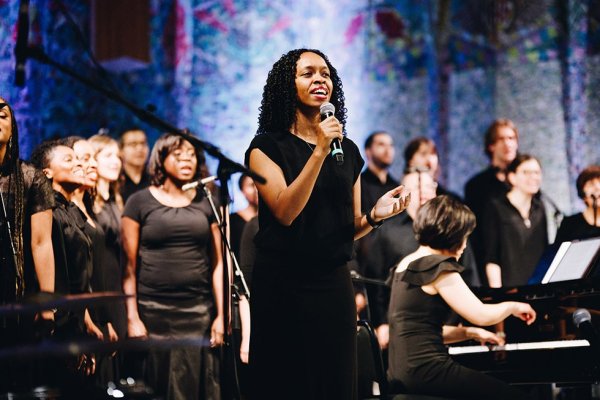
(553, 349)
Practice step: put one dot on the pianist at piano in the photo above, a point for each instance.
(426, 287)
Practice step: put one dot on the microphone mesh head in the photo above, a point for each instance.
(327, 108)
(581, 315)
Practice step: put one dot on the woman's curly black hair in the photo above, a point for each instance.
(11, 167)
(280, 98)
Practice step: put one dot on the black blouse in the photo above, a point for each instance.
(236, 227)
(109, 219)
(173, 247)
(38, 197)
(371, 188)
(508, 241)
(576, 227)
(323, 233)
(72, 248)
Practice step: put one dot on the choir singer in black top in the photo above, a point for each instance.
(303, 334)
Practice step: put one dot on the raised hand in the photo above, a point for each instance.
(391, 203)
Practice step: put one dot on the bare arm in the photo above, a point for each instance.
(130, 234)
(41, 249)
(453, 334)
(245, 321)
(494, 275)
(459, 297)
(218, 327)
(287, 202)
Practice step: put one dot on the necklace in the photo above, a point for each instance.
(309, 146)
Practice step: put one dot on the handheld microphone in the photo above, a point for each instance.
(328, 110)
(195, 184)
(21, 48)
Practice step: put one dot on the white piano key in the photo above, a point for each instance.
(553, 344)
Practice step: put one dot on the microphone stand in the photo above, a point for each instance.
(595, 208)
(226, 165)
(38, 54)
(221, 218)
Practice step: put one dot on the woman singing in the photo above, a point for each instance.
(514, 229)
(303, 335)
(586, 224)
(27, 200)
(174, 267)
(427, 286)
(26, 261)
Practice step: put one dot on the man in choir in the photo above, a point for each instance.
(376, 179)
(501, 146)
(134, 148)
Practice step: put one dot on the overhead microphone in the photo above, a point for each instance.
(21, 48)
(583, 321)
(328, 110)
(195, 184)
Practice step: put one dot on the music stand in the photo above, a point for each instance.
(573, 260)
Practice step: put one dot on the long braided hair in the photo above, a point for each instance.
(11, 167)
(280, 98)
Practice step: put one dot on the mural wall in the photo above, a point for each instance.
(438, 68)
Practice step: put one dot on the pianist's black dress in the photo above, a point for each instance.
(418, 360)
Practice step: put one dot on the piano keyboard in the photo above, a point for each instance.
(553, 344)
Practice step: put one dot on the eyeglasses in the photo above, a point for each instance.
(135, 144)
(528, 172)
(183, 155)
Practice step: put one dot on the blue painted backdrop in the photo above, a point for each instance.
(438, 68)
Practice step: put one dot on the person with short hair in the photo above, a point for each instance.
(420, 155)
(133, 144)
(586, 224)
(501, 143)
(376, 180)
(426, 287)
(514, 229)
(72, 248)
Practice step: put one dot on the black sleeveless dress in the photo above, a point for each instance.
(303, 339)
(418, 359)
